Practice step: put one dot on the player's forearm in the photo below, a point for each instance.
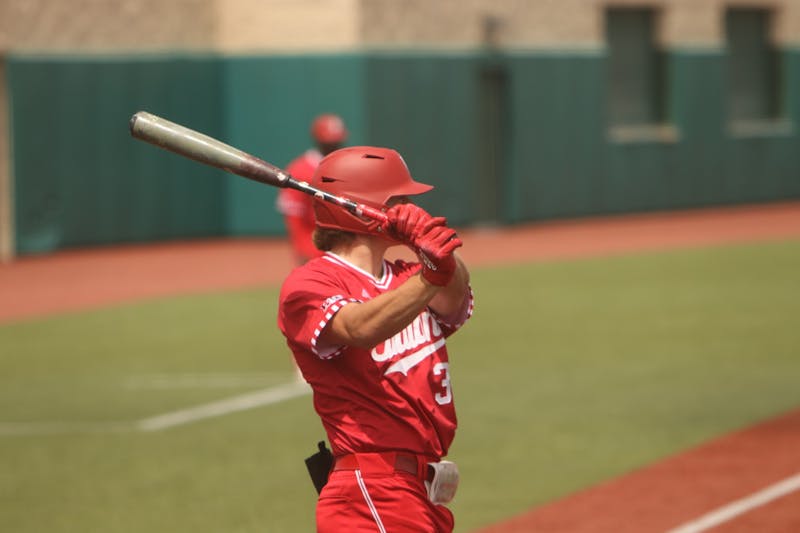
(367, 324)
(450, 300)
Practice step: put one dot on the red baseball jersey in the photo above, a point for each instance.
(297, 207)
(396, 396)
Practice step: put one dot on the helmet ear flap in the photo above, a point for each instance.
(331, 216)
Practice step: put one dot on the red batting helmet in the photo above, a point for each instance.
(328, 129)
(365, 174)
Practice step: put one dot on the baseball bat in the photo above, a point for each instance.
(207, 150)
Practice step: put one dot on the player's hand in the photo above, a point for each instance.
(435, 249)
(406, 222)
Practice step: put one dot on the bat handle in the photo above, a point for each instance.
(353, 207)
(372, 213)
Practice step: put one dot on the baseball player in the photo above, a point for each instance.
(369, 336)
(328, 133)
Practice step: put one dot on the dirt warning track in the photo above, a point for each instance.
(75, 280)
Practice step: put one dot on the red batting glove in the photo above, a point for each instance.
(435, 249)
(407, 221)
(430, 238)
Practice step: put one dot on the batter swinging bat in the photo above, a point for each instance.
(194, 145)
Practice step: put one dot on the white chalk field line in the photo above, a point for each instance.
(223, 407)
(741, 506)
(233, 404)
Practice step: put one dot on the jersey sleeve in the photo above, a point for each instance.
(308, 303)
(452, 324)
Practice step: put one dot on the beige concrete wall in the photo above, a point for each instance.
(286, 25)
(103, 25)
(462, 23)
(71, 26)
(553, 23)
(238, 26)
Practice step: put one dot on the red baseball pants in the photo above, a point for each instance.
(378, 498)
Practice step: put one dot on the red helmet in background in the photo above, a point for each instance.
(365, 174)
(328, 129)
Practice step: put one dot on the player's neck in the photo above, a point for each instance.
(364, 252)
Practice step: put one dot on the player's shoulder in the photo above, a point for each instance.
(314, 272)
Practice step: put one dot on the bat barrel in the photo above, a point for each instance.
(207, 150)
(204, 149)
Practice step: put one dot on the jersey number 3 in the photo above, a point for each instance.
(446, 395)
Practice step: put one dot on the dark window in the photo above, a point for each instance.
(635, 68)
(753, 65)
(494, 124)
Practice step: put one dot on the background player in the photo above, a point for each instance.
(329, 133)
(369, 336)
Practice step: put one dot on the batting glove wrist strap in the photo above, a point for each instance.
(435, 250)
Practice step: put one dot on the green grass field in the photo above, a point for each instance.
(569, 373)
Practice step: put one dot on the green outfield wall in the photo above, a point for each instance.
(80, 179)
(505, 138)
(268, 104)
